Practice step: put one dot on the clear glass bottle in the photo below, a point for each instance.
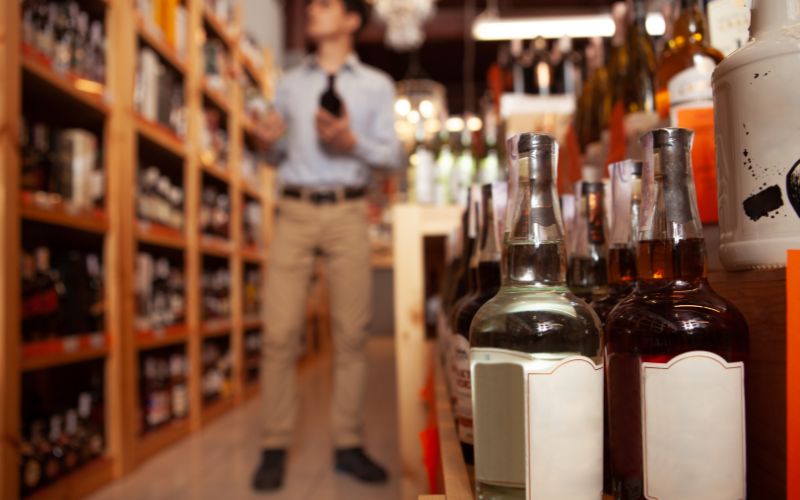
(535, 357)
(675, 351)
(587, 275)
(626, 188)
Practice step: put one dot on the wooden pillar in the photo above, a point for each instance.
(10, 114)
(412, 223)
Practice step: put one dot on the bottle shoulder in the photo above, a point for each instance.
(530, 320)
(676, 317)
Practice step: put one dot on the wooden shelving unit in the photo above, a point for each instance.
(125, 135)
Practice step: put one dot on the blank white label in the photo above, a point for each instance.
(538, 423)
(693, 426)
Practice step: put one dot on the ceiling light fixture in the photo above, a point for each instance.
(490, 27)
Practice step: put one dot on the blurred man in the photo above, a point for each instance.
(324, 174)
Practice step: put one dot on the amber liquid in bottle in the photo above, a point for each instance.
(689, 43)
(671, 311)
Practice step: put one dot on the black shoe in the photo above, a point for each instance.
(355, 462)
(269, 475)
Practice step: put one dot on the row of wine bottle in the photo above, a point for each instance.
(159, 200)
(62, 299)
(527, 359)
(65, 36)
(164, 390)
(216, 285)
(160, 293)
(62, 165)
(57, 445)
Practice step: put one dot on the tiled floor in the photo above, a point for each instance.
(217, 462)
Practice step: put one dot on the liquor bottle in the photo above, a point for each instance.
(595, 99)
(489, 170)
(445, 162)
(464, 173)
(330, 100)
(626, 185)
(567, 77)
(50, 293)
(486, 265)
(674, 346)
(757, 159)
(54, 462)
(588, 265)
(459, 340)
(91, 436)
(69, 443)
(517, 70)
(537, 374)
(178, 388)
(634, 109)
(31, 460)
(540, 68)
(684, 96)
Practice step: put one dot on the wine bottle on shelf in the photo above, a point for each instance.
(69, 443)
(567, 77)
(486, 262)
(535, 355)
(179, 392)
(92, 436)
(459, 340)
(685, 97)
(330, 100)
(588, 273)
(541, 67)
(31, 460)
(635, 97)
(626, 185)
(50, 293)
(673, 346)
(55, 461)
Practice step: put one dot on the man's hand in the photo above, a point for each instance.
(271, 130)
(334, 132)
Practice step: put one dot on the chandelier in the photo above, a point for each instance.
(404, 20)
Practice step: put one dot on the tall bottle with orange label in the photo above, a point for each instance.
(683, 83)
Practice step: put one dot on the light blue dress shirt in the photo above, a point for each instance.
(368, 95)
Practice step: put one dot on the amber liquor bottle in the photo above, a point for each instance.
(626, 194)
(675, 351)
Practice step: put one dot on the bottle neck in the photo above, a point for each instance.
(690, 24)
(670, 238)
(536, 254)
(769, 15)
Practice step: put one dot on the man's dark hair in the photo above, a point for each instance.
(361, 8)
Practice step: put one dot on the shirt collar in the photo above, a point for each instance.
(352, 63)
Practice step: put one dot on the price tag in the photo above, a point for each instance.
(70, 344)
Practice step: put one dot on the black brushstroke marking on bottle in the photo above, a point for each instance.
(793, 187)
(746, 153)
(762, 203)
(755, 76)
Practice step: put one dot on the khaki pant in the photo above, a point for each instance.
(340, 232)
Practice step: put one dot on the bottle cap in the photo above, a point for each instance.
(530, 143)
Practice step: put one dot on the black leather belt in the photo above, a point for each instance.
(324, 196)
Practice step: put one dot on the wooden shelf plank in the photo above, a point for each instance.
(217, 27)
(156, 440)
(216, 171)
(155, 39)
(253, 255)
(216, 98)
(216, 409)
(149, 339)
(87, 92)
(38, 207)
(251, 322)
(160, 135)
(79, 483)
(249, 189)
(216, 327)
(64, 351)
(251, 390)
(156, 234)
(212, 245)
(251, 69)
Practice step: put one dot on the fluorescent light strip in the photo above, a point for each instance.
(580, 26)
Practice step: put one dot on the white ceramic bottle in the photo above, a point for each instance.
(757, 122)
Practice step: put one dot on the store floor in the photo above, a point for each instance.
(217, 462)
